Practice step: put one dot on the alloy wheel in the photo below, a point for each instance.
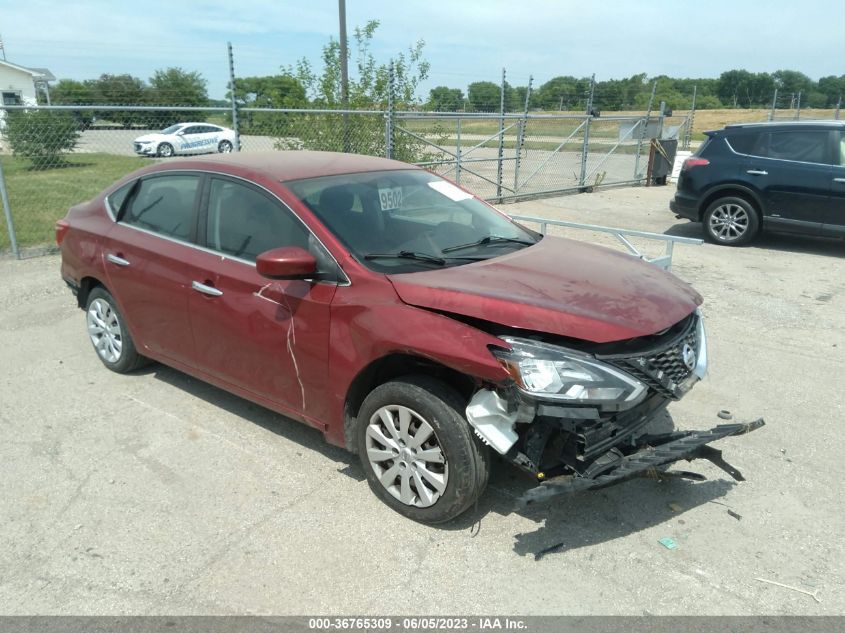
(729, 222)
(105, 330)
(406, 456)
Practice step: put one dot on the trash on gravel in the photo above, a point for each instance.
(735, 515)
(725, 414)
(668, 543)
(813, 594)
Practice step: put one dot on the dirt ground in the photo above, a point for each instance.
(156, 494)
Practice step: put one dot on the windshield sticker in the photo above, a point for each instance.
(449, 190)
(390, 199)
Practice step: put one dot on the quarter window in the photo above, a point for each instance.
(116, 199)
(744, 143)
(244, 222)
(808, 146)
(165, 205)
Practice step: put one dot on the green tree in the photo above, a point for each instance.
(445, 99)
(177, 87)
(42, 136)
(368, 88)
(484, 96)
(119, 90)
(833, 88)
(71, 92)
(272, 91)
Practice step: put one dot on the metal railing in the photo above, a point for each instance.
(664, 261)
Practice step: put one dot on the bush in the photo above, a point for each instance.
(42, 136)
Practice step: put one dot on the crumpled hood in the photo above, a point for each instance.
(558, 286)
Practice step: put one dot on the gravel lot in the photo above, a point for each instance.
(157, 494)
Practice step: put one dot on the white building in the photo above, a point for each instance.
(18, 84)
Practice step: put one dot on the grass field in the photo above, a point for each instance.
(40, 197)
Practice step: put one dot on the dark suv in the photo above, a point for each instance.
(778, 176)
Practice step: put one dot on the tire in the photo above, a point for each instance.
(224, 147)
(731, 221)
(109, 334)
(165, 150)
(435, 491)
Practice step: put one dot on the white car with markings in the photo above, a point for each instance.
(186, 138)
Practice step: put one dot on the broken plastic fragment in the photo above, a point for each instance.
(487, 412)
(668, 543)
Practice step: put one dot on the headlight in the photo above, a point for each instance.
(549, 371)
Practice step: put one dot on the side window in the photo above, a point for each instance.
(744, 143)
(116, 199)
(194, 129)
(842, 148)
(165, 205)
(808, 146)
(245, 222)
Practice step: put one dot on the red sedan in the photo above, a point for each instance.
(408, 320)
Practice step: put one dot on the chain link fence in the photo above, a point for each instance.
(54, 157)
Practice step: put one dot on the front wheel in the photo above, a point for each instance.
(225, 147)
(420, 456)
(165, 150)
(731, 221)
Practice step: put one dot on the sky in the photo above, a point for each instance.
(465, 40)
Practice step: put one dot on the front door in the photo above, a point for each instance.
(268, 337)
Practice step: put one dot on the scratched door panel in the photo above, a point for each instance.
(268, 337)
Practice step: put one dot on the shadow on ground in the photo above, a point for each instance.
(789, 243)
(568, 523)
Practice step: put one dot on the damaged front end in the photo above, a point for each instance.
(579, 419)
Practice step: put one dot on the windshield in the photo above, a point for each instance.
(409, 220)
(172, 129)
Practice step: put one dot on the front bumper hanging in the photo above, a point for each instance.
(656, 451)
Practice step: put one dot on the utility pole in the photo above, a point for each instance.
(344, 73)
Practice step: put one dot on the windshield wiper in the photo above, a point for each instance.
(490, 239)
(420, 257)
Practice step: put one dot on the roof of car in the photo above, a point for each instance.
(823, 123)
(296, 165)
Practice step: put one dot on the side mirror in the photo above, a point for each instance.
(287, 262)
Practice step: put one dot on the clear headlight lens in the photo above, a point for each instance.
(549, 371)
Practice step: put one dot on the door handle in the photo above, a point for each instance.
(757, 172)
(839, 180)
(114, 259)
(211, 291)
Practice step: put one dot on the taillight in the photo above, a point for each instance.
(62, 227)
(689, 163)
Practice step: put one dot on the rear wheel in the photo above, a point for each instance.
(731, 221)
(165, 150)
(225, 147)
(419, 453)
(108, 333)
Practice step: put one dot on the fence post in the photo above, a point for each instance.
(644, 131)
(235, 125)
(458, 152)
(388, 128)
(690, 120)
(798, 107)
(501, 138)
(582, 180)
(774, 106)
(521, 140)
(7, 210)
(838, 108)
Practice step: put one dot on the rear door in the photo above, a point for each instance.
(145, 254)
(270, 338)
(835, 221)
(792, 169)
